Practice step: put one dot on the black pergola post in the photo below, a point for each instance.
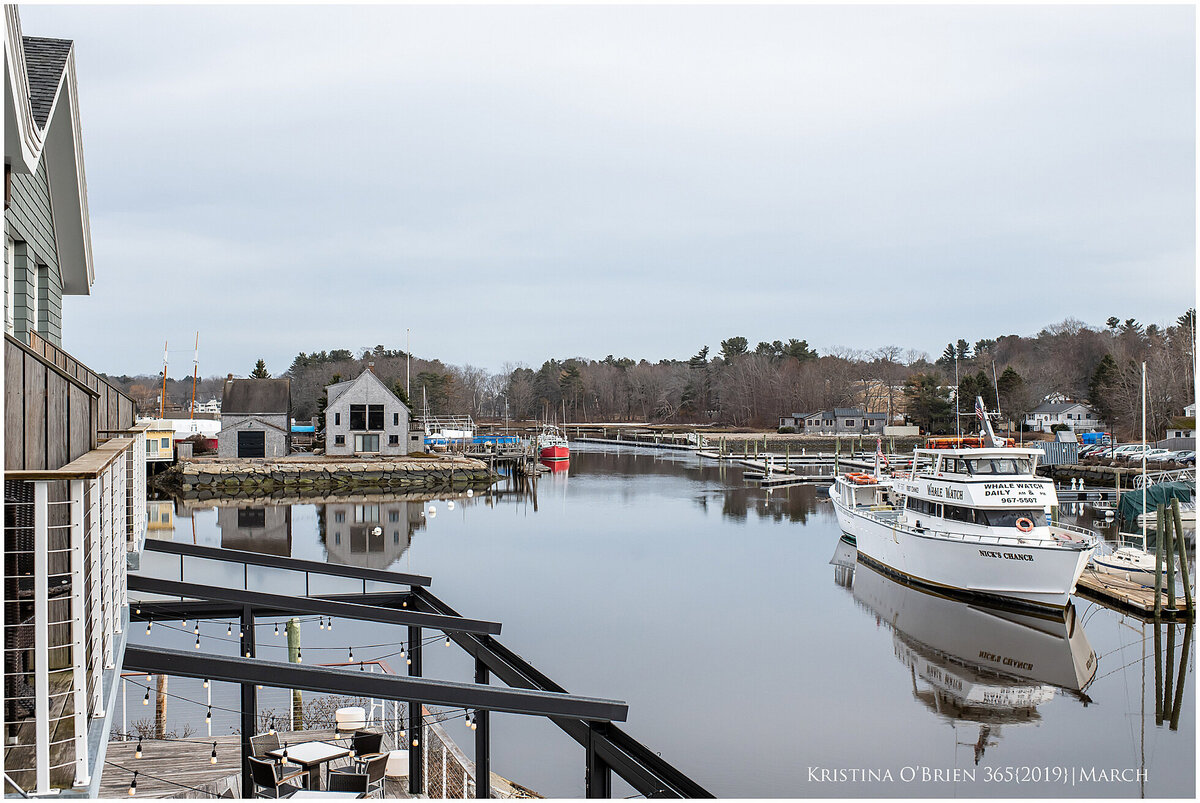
(249, 702)
(483, 758)
(416, 776)
(599, 774)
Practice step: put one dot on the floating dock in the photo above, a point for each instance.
(1120, 594)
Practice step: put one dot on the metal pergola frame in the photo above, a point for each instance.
(588, 720)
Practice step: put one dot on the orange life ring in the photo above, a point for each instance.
(1024, 525)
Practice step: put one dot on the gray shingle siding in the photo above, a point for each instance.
(277, 436)
(28, 220)
(366, 389)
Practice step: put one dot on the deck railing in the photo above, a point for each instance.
(67, 532)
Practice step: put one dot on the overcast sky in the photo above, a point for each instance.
(515, 183)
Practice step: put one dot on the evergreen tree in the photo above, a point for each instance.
(260, 371)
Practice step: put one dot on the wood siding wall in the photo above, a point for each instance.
(54, 406)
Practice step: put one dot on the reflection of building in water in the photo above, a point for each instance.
(977, 664)
(845, 556)
(160, 519)
(266, 529)
(370, 534)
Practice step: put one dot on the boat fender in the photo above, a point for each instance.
(1024, 525)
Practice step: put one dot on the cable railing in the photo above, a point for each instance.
(68, 533)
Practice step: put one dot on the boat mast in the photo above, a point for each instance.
(195, 374)
(1145, 518)
(162, 399)
(957, 423)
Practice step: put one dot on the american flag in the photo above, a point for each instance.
(879, 451)
(980, 413)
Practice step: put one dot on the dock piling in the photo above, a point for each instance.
(1184, 570)
(1158, 564)
(1169, 550)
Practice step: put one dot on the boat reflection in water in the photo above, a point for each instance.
(974, 663)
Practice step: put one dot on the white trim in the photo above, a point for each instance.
(41, 635)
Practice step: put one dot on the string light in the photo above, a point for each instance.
(351, 659)
(299, 657)
(213, 758)
(401, 650)
(147, 627)
(241, 633)
(197, 642)
(277, 628)
(133, 784)
(447, 641)
(197, 629)
(330, 624)
(321, 619)
(229, 629)
(271, 730)
(206, 683)
(285, 752)
(185, 622)
(414, 742)
(137, 752)
(146, 699)
(208, 716)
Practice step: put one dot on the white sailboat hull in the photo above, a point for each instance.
(1042, 576)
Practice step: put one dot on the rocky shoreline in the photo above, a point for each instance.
(229, 477)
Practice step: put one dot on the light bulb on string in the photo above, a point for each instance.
(185, 622)
(146, 699)
(133, 784)
(299, 657)
(330, 624)
(208, 716)
(241, 633)
(213, 758)
(196, 630)
(197, 642)
(277, 628)
(147, 627)
(271, 730)
(229, 629)
(321, 619)
(351, 659)
(137, 751)
(447, 641)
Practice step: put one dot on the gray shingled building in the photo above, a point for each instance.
(364, 417)
(255, 418)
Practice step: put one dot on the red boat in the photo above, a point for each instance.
(552, 445)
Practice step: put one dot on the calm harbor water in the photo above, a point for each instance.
(754, 654)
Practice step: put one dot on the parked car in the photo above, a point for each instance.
(1167, 456)
(1187, 457)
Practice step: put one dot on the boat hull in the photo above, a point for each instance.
(555, 453)
(1036, 576)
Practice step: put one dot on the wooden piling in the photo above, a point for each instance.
(1169, 669)
(1158, 691)
(1169, 563)
(1184, 570)
(160, 707)
(293, 639)
(1183, 659)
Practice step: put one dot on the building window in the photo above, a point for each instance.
(395, 419)
(366, 513)
(166, 443)
(366, 443)
(339, 516)
(393, 440)
(337, 418)
(251, 517)
(374, 416)
(339, 440)
(358, 416)
(849, 422)
(393, 516)
(149, 447)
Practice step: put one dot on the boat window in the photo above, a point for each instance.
(924, 506)
(957, 513)
(1000, 465)
(1009, 518)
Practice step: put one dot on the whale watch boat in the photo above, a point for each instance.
(970, 518)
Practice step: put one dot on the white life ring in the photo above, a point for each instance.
(1024, 525)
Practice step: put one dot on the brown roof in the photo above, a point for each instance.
(262, 396)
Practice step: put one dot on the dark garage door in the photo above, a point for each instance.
(252, 444)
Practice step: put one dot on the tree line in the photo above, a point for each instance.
(743, 386)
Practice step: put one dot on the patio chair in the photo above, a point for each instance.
(348, 782)
(264, 743)
(270, 782)
(375, 768)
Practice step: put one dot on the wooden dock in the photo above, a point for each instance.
(1120, 594)
(184, 769)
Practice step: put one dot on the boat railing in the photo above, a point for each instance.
(1090, 538)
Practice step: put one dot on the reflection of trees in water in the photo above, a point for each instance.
(782, 504)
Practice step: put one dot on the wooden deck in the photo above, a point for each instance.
(183, 769)
(1121, 594)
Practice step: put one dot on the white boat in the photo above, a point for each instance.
(971, 518)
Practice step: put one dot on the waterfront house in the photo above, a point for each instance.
(74, 463)
(363, 416)
(1077, 416)
(844, 421)
(160, 441)
(255, 418)
(373, 536)
(266, 529)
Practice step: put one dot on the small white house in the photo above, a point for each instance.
(1184, 428)
(1077, 416)
(364, 417)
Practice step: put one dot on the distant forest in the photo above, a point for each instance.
(741, 385)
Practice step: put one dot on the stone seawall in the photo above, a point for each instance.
(266, 476)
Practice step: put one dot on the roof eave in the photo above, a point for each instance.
(68, 186)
